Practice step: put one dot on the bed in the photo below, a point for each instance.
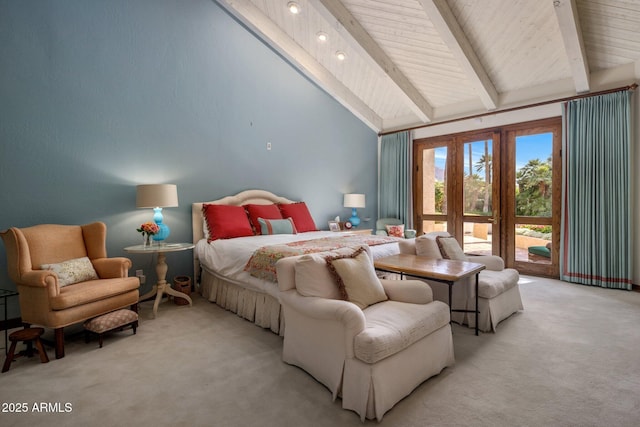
(223, 266)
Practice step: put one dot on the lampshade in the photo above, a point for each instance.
(354, 201)
(156, 196)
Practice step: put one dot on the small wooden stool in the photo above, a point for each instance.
(116, 320)
(29, 336)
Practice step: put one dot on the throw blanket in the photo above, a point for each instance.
(262, 263)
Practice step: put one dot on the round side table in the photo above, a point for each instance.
(161, 270)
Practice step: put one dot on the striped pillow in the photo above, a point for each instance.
(277, 226)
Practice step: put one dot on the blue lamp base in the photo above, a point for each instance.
(354, 220)
(163, 231)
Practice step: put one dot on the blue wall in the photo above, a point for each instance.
(98, 96)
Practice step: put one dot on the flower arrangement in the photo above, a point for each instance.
(148, 228)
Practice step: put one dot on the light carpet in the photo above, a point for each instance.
(571, 358)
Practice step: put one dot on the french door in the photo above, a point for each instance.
(497, 191)
(457, 189)
(533, 187)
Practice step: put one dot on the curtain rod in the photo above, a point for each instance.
(632, 86)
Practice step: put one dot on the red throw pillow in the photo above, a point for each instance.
(262, 211)
(300, 215)
(225, 221)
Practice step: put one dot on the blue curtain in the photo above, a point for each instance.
(395, 178)
(596, 245)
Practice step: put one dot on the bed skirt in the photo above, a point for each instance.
(254, 306)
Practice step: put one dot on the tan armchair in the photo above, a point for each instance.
(44, 299)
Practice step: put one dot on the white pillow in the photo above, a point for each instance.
(357, 279)
(313, 278)
(450, 248)
(427, 247)
(72, 271)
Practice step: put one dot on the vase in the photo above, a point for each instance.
(147, 240)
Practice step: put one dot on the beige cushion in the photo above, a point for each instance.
(313, 278)
(90, 291)
(427, 247)
(450, 248)
(493, 283)
(393, 326)
(356, 278)
(72, 271)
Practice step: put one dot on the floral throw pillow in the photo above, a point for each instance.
(395, 230)
(72, 271)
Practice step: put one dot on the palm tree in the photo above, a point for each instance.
(484, 163)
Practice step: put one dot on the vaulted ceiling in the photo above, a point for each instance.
(413, 62)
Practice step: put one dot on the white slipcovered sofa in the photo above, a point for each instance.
(498, 291)
(372, 356)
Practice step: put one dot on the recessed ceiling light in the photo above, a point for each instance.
(341, 55)
(293, 7)
(322, 36)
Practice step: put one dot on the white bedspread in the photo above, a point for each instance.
(228, 257)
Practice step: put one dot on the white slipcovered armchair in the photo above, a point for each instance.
(498, 291)
(372, 356)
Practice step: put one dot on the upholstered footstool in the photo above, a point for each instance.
(498, 298)
(116, 320)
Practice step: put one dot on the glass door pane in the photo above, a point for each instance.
(433, 197)
(478, 194)
(477, 178)
(534, 197)
(434, 183)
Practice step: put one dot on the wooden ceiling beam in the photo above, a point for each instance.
(247, 13)
(569, 23)
(360, 40)
(451, 33)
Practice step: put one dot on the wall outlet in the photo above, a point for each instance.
(140, 275)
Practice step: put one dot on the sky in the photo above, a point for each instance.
(528, 147)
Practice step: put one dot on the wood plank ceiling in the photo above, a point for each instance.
(413, 62)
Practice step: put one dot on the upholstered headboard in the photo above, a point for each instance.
(256, 197)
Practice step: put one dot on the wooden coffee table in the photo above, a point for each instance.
(439, 270)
